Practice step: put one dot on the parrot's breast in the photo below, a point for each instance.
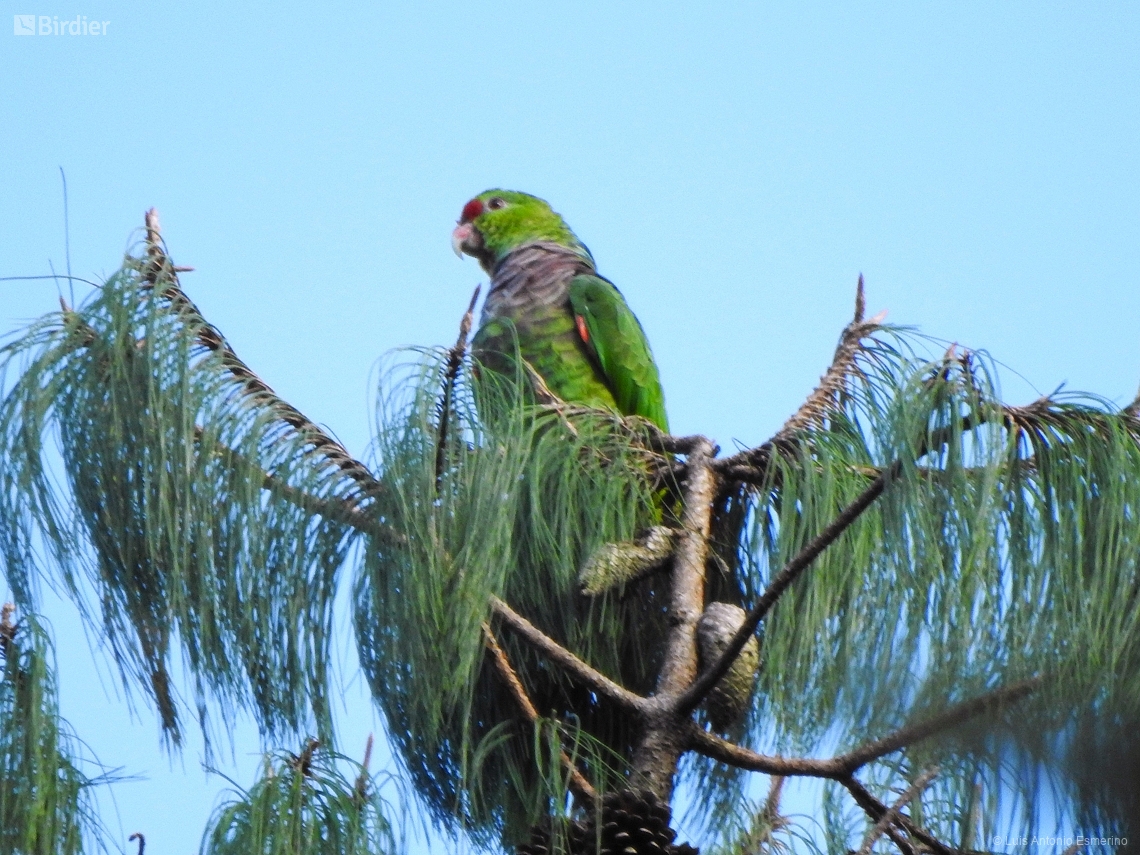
(532, 281)
(528, 307)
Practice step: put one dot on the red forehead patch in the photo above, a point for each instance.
(471, 210)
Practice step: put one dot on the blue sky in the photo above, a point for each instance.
(733, 170)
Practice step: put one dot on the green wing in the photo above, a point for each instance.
(619, 343)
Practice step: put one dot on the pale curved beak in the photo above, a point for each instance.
(461, 238)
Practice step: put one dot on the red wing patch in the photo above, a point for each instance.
(582, 331)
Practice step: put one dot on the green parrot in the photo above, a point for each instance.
(576, 331)
(573, 326)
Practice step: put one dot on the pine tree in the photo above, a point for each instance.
(914, 594)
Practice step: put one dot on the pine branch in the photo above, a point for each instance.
(450, 377)
(252, 386)
(804, 558)
(562, 657)
(578, 783)
(360, 785)
(343, 509)
(340, 509)
(823, 400)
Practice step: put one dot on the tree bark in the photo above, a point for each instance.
(664, 739)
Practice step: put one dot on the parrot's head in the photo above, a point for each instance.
(498, 222)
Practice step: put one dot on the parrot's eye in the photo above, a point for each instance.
(495, 203)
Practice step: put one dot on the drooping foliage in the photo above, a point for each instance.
(304, 804)
(1004, 549)
(520, 497)
(160, 487)
(46, 799)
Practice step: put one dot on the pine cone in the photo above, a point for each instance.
(570, 840)
(728, 700)
(633, 822)
(614, 564)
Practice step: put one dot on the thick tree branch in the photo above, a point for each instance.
(662, 741)
(562, 657)
(577, 781)
(687, 593)
(844, 765)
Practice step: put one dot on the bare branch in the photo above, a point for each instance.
(711, 745)
(844, 765)
(887, 819)
(578, 783)
(669, 443)
(853, 760)
(562, 657)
